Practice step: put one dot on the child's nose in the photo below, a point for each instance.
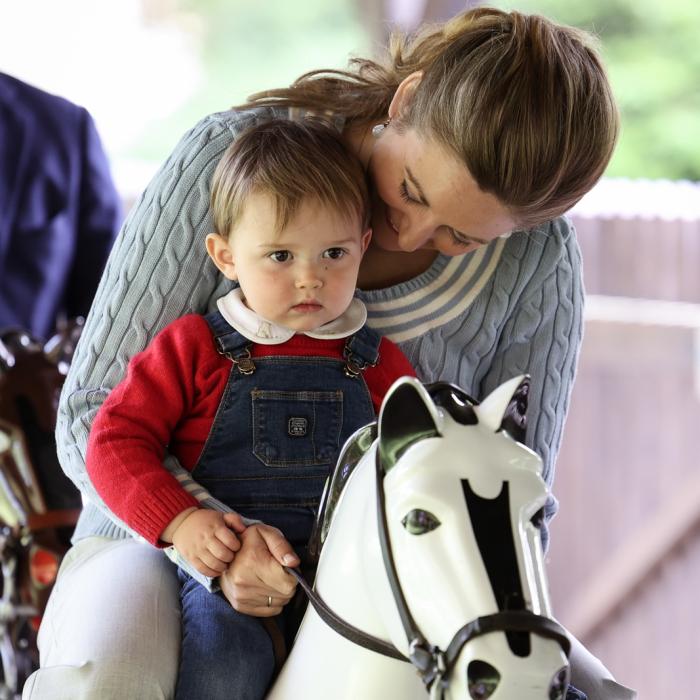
(309, 277)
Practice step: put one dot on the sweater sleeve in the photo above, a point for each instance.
(130, 433)
(157, 271)
(542, 338)
(392, 365)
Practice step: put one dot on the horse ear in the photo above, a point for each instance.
(407, 416)
(505, 407)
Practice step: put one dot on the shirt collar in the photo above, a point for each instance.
(259, 330)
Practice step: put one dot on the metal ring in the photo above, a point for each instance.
(269, 601)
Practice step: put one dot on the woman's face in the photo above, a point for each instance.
(425, 198)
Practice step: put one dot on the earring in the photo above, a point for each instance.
(378, 128)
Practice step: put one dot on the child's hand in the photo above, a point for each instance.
(205, 538)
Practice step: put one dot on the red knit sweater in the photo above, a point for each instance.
(167, 403)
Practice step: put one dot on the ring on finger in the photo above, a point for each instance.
(269, 601)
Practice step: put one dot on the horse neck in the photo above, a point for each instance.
(351, 575)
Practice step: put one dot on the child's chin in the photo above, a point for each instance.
(304, 326)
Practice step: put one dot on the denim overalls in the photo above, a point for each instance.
(280, 426)
(276, 435)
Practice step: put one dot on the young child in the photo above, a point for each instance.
(256, 398)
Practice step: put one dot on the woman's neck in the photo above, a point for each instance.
(384, 268)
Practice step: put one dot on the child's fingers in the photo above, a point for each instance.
(228, 539)
(204, 569)
(220, 551)
(213, 562)
(235, 522)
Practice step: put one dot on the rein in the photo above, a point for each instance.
(433, 664)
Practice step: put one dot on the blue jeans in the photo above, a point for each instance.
(225, 654)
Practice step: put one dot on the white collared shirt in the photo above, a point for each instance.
(259, 330)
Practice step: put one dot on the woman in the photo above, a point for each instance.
(495, 123)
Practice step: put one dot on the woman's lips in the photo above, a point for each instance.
(391, 223)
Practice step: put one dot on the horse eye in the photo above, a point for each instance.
(418, 522)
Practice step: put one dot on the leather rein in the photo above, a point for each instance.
(434, 665)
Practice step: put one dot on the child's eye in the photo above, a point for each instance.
(280, 256)
(406, 195)
(334, 253)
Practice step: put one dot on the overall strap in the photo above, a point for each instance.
(361, 351)
(230, 343)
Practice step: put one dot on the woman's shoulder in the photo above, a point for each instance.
(205, 142)
(237, 119)
(543, 249)
(211, 135)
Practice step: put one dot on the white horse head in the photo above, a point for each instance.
(432, 542)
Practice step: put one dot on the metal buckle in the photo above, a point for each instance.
(354, 367)
(420, 657)
(242, 362)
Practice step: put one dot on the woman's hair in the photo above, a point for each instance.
(291, 162)
(523, 102)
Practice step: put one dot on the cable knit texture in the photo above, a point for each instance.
(514, 306)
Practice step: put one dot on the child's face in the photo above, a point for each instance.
(300, 278)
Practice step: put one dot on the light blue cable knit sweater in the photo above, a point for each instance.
(512, 307)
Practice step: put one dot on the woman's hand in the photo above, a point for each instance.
(206, 538)
(256, 582)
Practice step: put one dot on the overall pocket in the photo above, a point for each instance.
(297, 428)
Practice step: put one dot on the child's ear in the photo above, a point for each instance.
(366, 238)
(220, 252)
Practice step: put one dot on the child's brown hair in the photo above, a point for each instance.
(291, 161)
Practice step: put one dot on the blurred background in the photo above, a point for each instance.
(625, 555)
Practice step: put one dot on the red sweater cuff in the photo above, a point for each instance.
(151, 516)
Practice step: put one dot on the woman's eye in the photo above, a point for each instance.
(418, 522)
(458, 240)
(334, 253)
(406, 195)
(280, 256)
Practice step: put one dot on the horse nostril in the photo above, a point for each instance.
(482, 680)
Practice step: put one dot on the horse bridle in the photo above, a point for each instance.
(434, 665)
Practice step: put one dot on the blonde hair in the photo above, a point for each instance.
(291, 162)
(523, 102)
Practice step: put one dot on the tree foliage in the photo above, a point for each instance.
(245, 47)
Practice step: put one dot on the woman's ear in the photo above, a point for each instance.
(404, 93)
(220, 252)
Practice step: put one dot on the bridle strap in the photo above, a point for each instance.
(418, 646)
(506, 621)
(343, 628)
(433, 665)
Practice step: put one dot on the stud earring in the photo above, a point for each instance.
(378, 128)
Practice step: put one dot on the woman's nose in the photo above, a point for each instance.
(414, 233)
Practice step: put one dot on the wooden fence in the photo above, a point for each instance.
(625, 556)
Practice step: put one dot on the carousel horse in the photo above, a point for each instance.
(431, 572)
(39, 506)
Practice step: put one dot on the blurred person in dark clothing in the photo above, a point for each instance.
(59, 208)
